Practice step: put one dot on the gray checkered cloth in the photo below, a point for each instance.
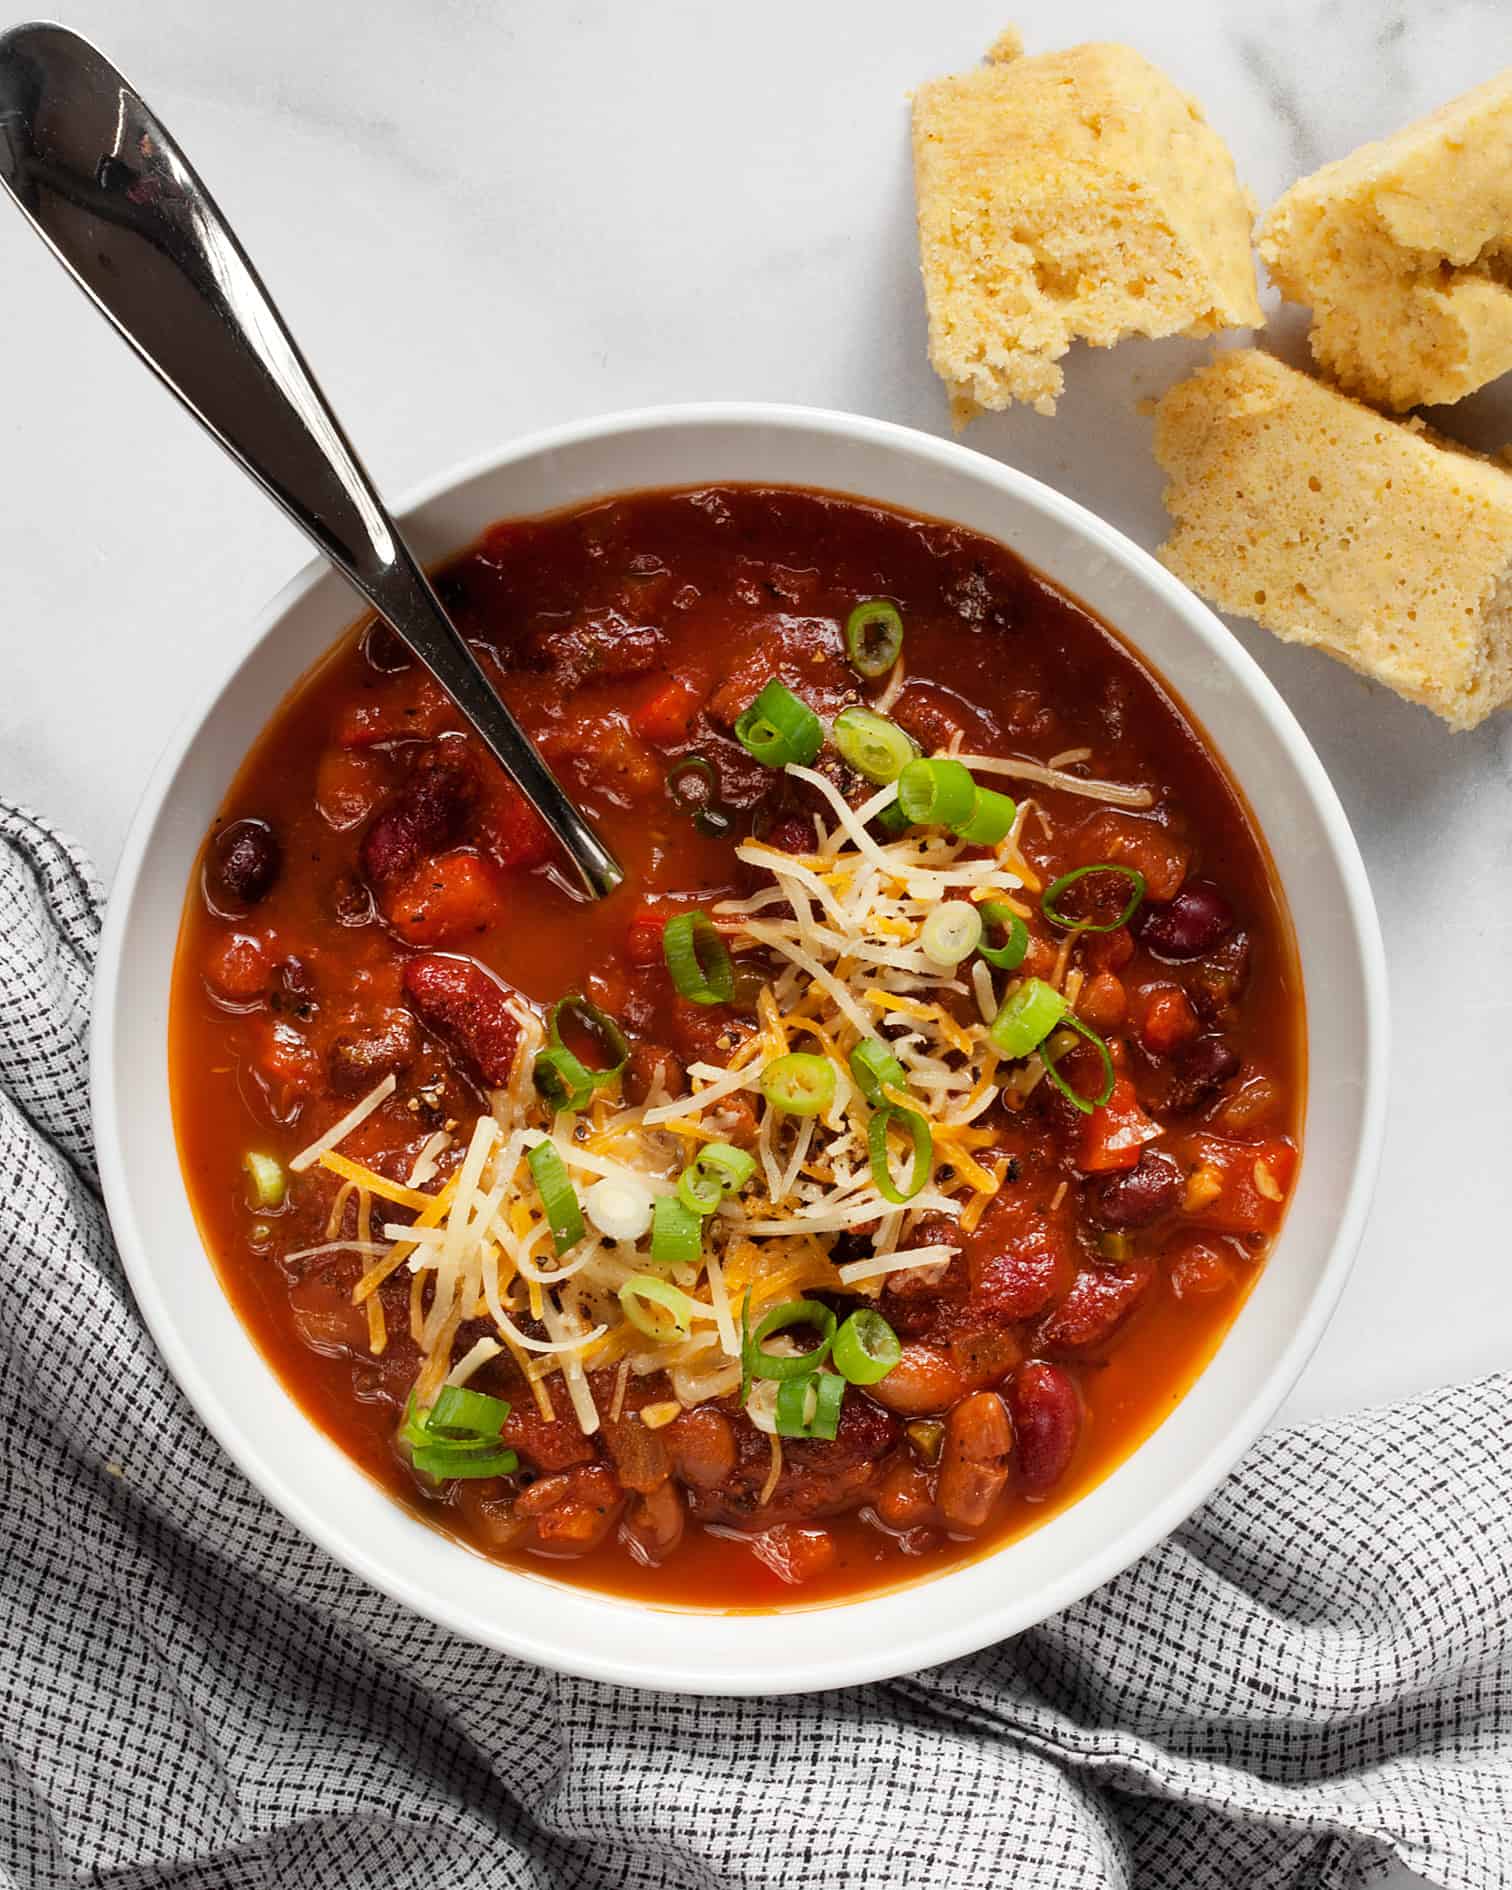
(1310, 1681)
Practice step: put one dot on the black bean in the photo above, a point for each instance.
(1192, 923)
(1201, 1070)
(1140, 1194)
(243, 867)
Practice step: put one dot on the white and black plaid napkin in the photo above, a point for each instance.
(1310, 1681)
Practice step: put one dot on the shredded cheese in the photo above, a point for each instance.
(339, 1131)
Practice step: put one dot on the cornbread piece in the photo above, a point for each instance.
(1403, 252)
(1333, 526)
(1075, 195)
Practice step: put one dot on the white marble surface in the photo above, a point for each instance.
(487, 215)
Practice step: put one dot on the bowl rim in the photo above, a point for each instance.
(945, 1639)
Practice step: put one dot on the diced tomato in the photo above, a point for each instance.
(665, 717)
(348, 786)
(447, 898)
(643, 943)
(1115, 1133)
(415, 711)
(1252, 1181)
(511, 830)
(1165, 1019)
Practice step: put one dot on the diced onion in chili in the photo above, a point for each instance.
(990, 820)
(810, 1406)
(643, 1292)
(952, 932)
(1011, 953)
(697, 959)
(936, 793)
(874, 636)
(866, 1348)
(269, 1184)
(760, 1363)
(799, 1084)
(716, 1171)
(1086, 1104)
(872, 745)
(1052, 893)
(561, 1204)
(1027, 1017)
(676, 1233)
(873, 1064)
(777, 728)
(619, 1207)
(923, 1152)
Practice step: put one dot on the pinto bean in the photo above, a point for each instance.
(465, 1006)
(429, 814)
(923, 1381)
(572, 1513)
(1140, 1194)
(242, 868)
(652, 1066)
(653, 1524)
(1047, 1416)
(355, 1062)
(1099, 1301)
(1188, 926)
(905, 1500)
(974, 1461)
(798, 1552)
(642, 1461)
(1019, 1256)
(702, 1446)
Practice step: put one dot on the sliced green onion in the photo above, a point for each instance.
(619, 1207)
(793, 1312)
(1086, 1104)
(269, 1184)
(1056, 887)
(1011, 953)
(640, 1294)
(777, 728)
(810, 1406)
(557, 1197)
(456, 1460)
(951, 932)
(872, 745)
(874, 636)
(991, 819)
(676, 1233)
(873, 1064)
(891, 819)
(1027, 1018)
(866, 1347)
(697, 959)
(799, 1084)
(923, 1152)
(459, 1412)
(693, 786)
(936, 793)
(597, 1024)
(718, 1170)
(561, 1078)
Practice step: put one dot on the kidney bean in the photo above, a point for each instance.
(355, 1062)
(428, 814)
(653, 1524)
(922, 1382)
(1191, 924)
(1047, 1417)
(1099, 1301)
(1200, 1072)
(973, 1461)
(1019, 1259)
(792, 833)
(702, 1446)
(242, 868)
(1139, 1194)
(465, 1006)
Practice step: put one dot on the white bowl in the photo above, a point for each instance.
(1166, 1478)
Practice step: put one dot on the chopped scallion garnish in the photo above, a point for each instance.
(676, 1233)
(799, 1084)
(1052, 893)
(557, 1197)
(1086, 1104)
(697, 959)
(718, 1170)
(644, 1291)
(866, 1348)
(873, 1064)
(1026, 1019)
(922, 1137)
(874, 636)
(937, 792)
(951, 932)
(1011, 953)
(777, 728)
(269, 1183)
(760, 1363)
(874, 747)
(990, 820)
(810, 1406)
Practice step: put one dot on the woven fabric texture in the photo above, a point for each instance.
(1310, 1681)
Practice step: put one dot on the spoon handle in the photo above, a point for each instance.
(104, 184)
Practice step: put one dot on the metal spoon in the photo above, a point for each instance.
(119, 205)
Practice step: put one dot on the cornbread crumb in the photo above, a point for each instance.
(1402, 251)
(1074, 195)
(1335, 527)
